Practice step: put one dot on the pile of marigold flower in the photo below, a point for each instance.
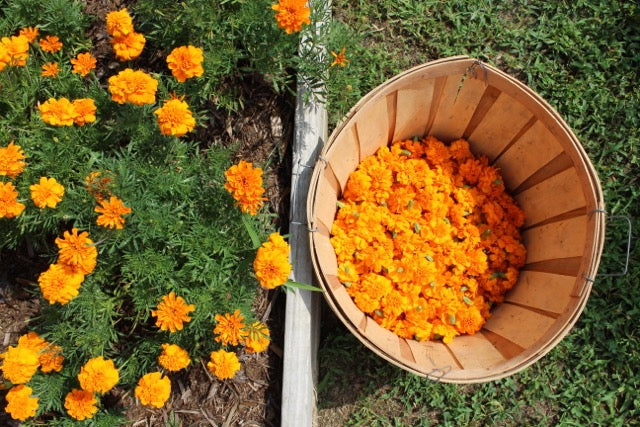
(427, 238)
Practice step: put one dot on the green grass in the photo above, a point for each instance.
(583, 57)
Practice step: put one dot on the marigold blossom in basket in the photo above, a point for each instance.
(111, 212)
(98, 375)
(20, 402)
(83, 63)
(271, 265)
(153, 389)
(175, 118)
(223, 364)
(81, 404)
(12, 160)
(9, 205)
(426, 237)
(292, 14)
(185, 62)
(47, 193)
(51, 44)
(173, 357)
(230, 328)
(244, 182)
(135, 87)
(172, 312)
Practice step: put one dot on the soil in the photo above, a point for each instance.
(263, 129)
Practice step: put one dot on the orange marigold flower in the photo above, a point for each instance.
(85, 110)
(77, 251)
(111, 213)
(173, 357)
(244, 182)
(172, 312)
(230, 328)
(58, 112)
(292, 14)
(175, 118)
(340, 58)
(32, 340)
(119, 23)
(51, 358)
(153, 389)
(50, 44)
(98, 375)
(19, 364)
(50, 69)
(11, 160)
(83, 63)
(60, 283)
(31, 33)
(80, 404)
(9, 205)
(16, 51)
(185, 62)
(47, 193)
(129, 46)
(98, 187)
(258, 337)
(223, 364)
(136, 87)
(271, 265)
(20, 402)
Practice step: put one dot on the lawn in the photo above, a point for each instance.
(583, 57)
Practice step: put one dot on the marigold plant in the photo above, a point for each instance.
(172, 312)
(77, 251)
(258, 337)
(98, 375)
(47, 193)
(20, 402)
(244, 182)
(129, 46)
(175, 118)
(173, 357)
(31, 33)
(292, 15)
(119, 23)
(223, 364)
(85, 109)
(153, 389)
(230, 328)
(60, 283)
(111, 213)
(271, 264)
(50, 69)
(58, 112)
(19, 364)
(80, 404)
(83, 63)
(16, 51)
(133, 86)
(12, 161)
(426, 237)
(9, 205)
(51, 44)
(185, 62)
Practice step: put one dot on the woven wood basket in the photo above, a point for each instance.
(544, 167)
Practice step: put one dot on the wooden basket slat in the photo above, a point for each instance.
(327, 190)
(432, 355)
(344, 156)
(560, 239)
(518, 325)
(494, 133)
(557, 195)
(459, 99)
(376, 131)
(325, 254)
(413, 106)
(475, 351)
(556, 165)
(347, 306)
(544, 291)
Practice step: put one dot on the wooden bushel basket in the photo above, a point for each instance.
(544, 167)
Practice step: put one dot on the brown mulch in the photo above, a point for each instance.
(262, 131)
